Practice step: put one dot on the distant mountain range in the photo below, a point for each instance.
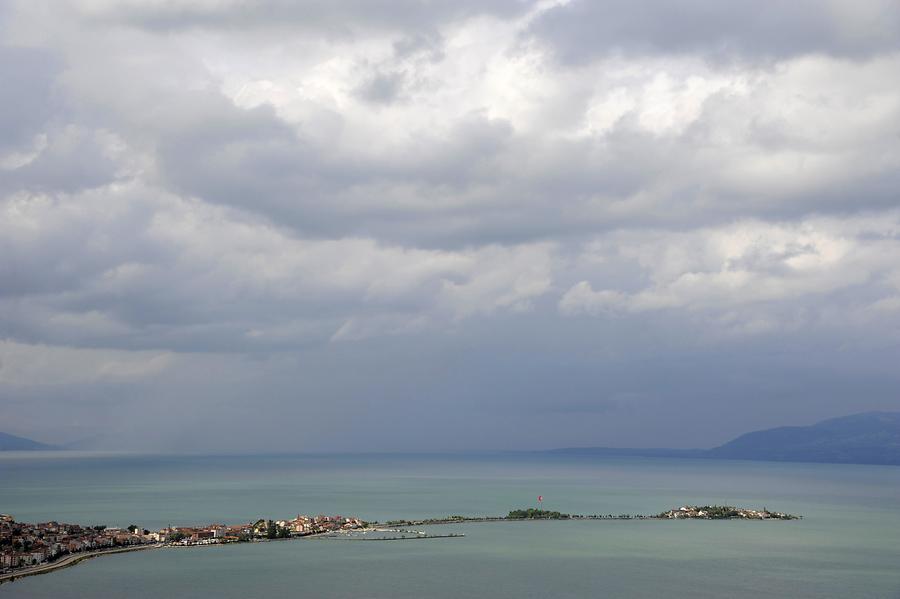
(13, 443)
(869, 438)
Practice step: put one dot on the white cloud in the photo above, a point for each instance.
(733, 268)
(156, 264)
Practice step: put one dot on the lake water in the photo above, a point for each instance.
(847, 545)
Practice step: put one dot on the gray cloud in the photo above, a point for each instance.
(322, 17)
(27, 96)
(721, 32)
(581, 224)
(381, 88)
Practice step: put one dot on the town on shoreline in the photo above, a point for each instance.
(27, 548)
(24, 545)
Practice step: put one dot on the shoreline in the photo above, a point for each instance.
(684, 513)
(70, 560)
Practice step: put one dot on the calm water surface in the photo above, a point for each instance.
(848, 544)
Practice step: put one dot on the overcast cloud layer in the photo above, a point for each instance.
(231, 225)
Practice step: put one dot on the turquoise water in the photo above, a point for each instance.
(848, 544)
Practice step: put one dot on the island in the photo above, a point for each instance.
(724, 512)
(27, 549)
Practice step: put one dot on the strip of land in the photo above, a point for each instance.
(29, 549)
(687, 512)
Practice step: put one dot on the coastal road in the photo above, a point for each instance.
(69, 560)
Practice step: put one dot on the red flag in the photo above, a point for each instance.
(540, 498)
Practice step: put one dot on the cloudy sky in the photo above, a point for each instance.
(237, 225)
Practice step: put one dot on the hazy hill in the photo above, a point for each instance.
(13, 443)
(869, 438)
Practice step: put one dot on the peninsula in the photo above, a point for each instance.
(27, 549)
(706, 512)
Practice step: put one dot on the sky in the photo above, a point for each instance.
(361, 225)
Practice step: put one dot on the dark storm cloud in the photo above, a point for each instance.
(721, 31)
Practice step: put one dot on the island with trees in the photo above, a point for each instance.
(724, 512)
